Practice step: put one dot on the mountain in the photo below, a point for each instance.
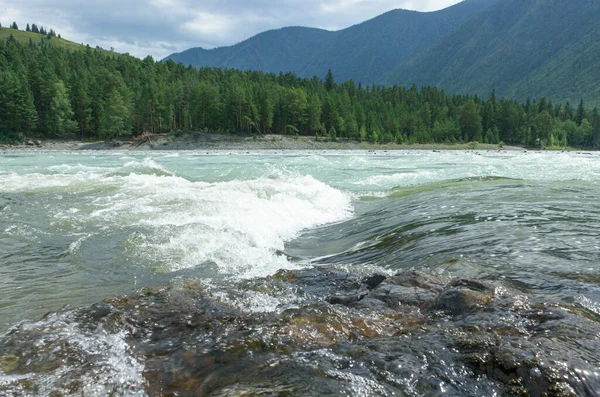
(521, 48)
(363, 52)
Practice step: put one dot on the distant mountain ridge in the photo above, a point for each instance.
(362, 52)
(521, 48)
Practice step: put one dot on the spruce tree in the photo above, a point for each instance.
(568, 112)
(17, 111)
(329, 82)
(61, 122)
(34, 28)
(28, 29)
(543, 127)
(580, 114)
(14, 26)
(470, 121)
(114, 116)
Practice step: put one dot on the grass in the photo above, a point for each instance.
(24, 38)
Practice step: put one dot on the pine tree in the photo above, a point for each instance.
(61, 122)
(580, 113)
(34, 28)
(329, 81)
(114, 116)
(314, 114)
(17, 111)
(332, 135)
(329, 113)
(82, 112)
(586, 133)
(14, 26)
(470, 121)
(544, 125)
(568, 112)
(28, 29)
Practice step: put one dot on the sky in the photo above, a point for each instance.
(162, 27)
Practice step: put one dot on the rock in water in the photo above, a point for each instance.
(410, 334)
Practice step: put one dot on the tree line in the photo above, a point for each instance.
(34, 29)
(49, 92)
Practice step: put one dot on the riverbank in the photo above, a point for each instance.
(216, 141)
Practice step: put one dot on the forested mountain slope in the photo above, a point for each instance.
(522, 48)
(362, 52)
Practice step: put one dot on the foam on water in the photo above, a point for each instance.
(238, 227)
(146, 164)
(257, 302)
(68, 168)
(589, 304)
(398, 179)
(14, 182)
(76, 245)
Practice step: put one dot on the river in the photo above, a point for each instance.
(263, 239)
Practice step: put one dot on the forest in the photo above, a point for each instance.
(49, 92)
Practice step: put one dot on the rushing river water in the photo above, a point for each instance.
(217, 273)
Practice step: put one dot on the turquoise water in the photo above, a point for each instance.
(79, 227)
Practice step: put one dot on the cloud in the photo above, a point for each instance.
(161, 27)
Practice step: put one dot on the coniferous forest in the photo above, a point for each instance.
(49, 92)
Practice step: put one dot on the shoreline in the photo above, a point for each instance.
(218, 141)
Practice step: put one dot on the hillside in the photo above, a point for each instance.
(363, 52)
(24, 38)
(522, 48)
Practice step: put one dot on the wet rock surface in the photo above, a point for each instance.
(309, 332)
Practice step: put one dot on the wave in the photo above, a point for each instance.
(71, 169)
(492, 225)
(17, 183)
(146, 166)
(401, 191)
(169, 223)
(238, 226)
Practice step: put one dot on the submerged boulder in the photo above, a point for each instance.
(317, 331)
(463, 295)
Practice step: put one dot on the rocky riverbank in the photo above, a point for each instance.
(215, 141)
(317, 331)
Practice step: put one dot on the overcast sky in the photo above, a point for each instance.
(161, 27)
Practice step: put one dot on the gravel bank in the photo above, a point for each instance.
(215, 141)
